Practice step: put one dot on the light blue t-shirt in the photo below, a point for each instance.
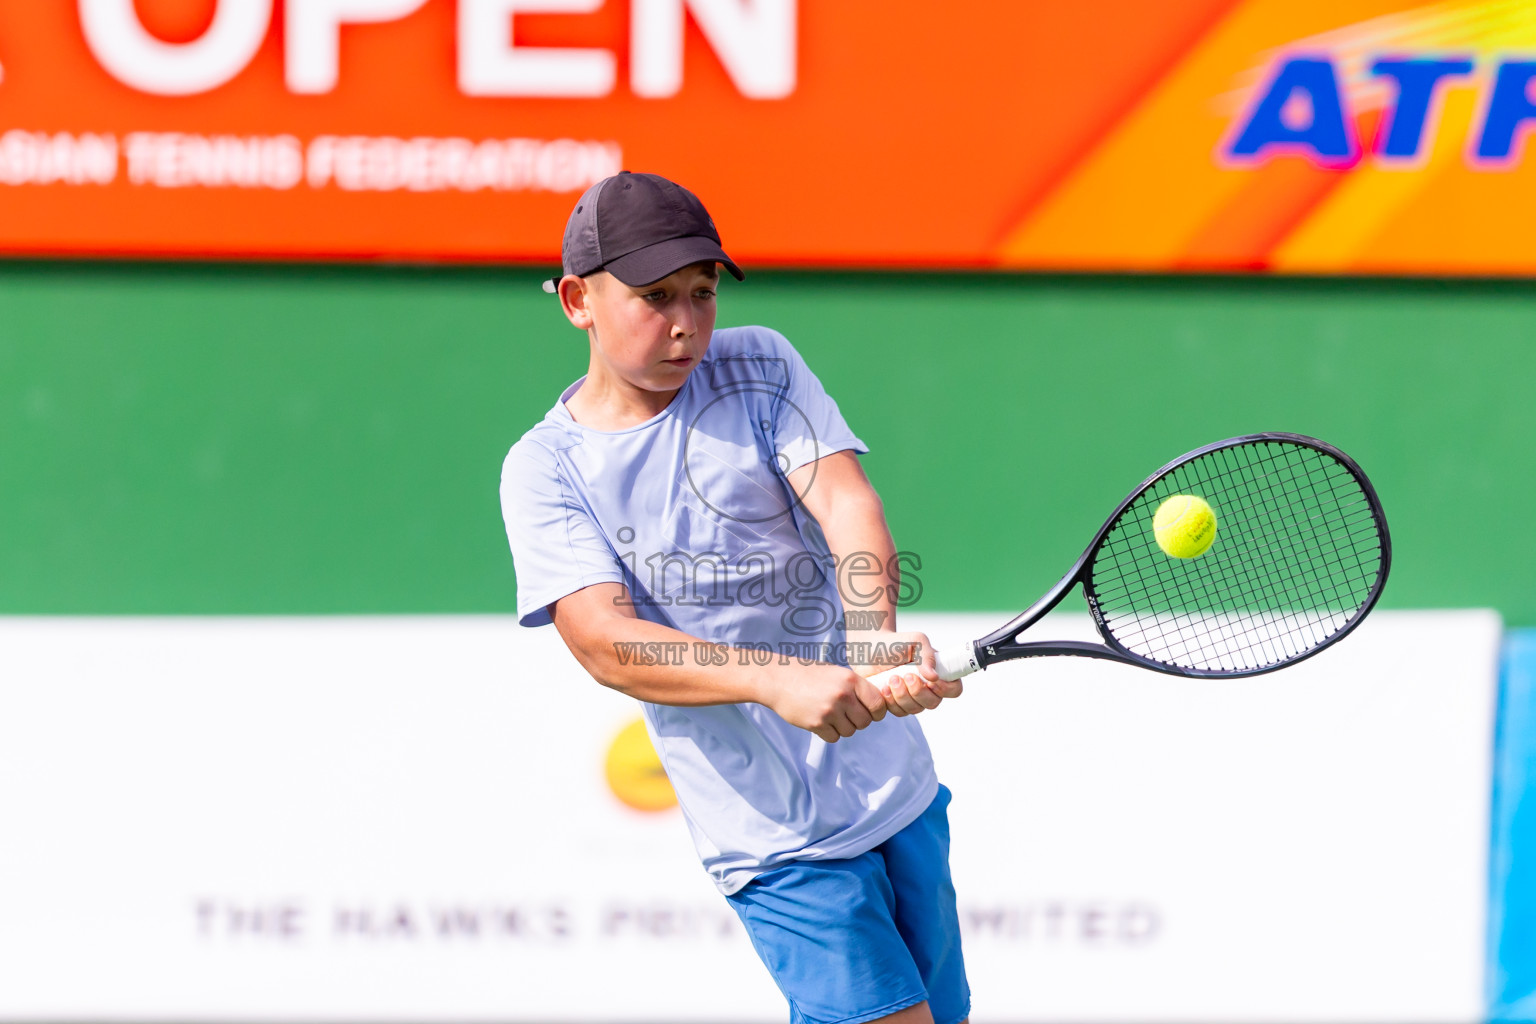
(691, 510)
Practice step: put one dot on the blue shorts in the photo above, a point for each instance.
(855, 940)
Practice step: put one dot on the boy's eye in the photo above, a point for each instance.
(655, 296)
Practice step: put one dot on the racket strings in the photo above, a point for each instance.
(1297, 554)
(1283, 587)
(1283, 574)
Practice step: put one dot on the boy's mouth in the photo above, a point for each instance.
(680, 362)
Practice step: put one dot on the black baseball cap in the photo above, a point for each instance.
(639, 228)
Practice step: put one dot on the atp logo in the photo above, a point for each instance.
(1389, 88)
(1303, 110)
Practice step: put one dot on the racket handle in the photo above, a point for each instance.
(951, 665)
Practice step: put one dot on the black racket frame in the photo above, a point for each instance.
(1002, 645)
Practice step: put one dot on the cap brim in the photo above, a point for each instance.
(654, 262)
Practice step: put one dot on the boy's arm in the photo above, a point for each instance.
(599, 625)
(835, 490)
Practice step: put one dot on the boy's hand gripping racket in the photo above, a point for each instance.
(1300, 555)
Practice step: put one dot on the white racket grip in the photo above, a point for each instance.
(951, 665)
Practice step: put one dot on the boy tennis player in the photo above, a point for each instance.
(683, 516)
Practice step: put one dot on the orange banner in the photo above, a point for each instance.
(1191, 134)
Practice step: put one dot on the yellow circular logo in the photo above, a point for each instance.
(635, 773)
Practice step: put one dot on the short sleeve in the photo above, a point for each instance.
(556, 547)
(809, 425)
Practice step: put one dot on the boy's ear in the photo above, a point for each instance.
(575, 299)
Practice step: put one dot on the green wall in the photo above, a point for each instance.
(298, 439)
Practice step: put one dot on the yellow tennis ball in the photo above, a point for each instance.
(1184, 526)
(635, 773)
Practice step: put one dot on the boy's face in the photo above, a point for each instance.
(652, 336)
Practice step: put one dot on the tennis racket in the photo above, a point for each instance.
(1300, 556)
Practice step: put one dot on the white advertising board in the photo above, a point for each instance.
(405, 819)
